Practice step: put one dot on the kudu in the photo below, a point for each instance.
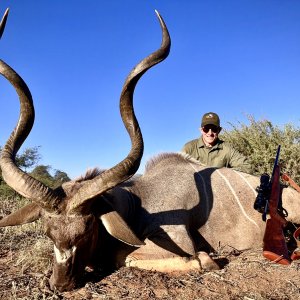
(166, 220)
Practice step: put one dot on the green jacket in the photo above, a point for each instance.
(220, 155)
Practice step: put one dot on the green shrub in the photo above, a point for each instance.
(259, 140)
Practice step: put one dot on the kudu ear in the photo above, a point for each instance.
(27, 214)
(117, 227)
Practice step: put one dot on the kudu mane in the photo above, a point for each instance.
(162, 157)
(89, 174)
(71, 187)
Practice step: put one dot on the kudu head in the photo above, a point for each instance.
(67, 212)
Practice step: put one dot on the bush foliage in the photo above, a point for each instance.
(28, 159)
(259, 140)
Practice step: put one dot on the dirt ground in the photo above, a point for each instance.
(246, 276)
(26, 256)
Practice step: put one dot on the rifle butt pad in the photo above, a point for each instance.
(275, 248)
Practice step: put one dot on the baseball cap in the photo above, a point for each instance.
(210, 118)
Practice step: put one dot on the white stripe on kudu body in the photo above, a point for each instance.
(237, 198)
(230, 217)
(248, 183)
(206, 198)
(231, 188)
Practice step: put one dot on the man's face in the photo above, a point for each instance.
(210, 134)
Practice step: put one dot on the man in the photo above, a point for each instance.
(210, 151)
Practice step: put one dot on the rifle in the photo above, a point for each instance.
(274, 245)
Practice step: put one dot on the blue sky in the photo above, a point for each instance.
(234, 57)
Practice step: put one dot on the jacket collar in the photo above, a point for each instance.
(218, 145)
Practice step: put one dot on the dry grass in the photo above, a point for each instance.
(26, 262)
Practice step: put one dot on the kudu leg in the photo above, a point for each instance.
(201, 262)
(170, 249)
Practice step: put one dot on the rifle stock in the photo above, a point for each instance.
(275, 248)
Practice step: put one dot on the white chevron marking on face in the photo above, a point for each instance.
(63, 256)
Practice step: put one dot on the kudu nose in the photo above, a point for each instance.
(61, 285)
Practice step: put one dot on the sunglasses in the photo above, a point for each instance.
(213, 128)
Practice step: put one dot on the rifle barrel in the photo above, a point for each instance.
(264, 215)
